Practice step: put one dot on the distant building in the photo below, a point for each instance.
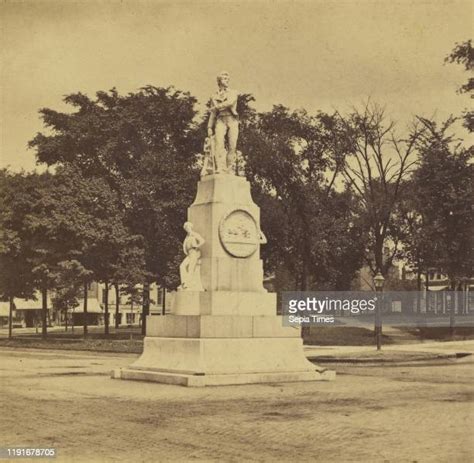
(28, 312)
(130, 310)
(4, 313)
(436, 291)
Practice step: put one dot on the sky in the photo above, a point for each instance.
(317, 55)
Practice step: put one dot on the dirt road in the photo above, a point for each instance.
(421, 412)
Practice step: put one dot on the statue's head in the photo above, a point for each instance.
(223, 79)
(188, 227)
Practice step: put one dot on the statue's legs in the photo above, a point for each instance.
(193, 271)
(192, 263)
(183, 272)
(226, 125)
(233, 135)
(220, 131)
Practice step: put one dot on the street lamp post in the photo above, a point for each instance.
(379, 281)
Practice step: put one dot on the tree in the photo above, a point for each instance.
(410, 229)
(119, 257)
(88, 213)
(127, 272)
(444, 185)
(443, 180)
(39, 257)
(51, 230)
(16, 278)
(380, 161)
(143, 146)
(70, 275)
(463, 54)
(293, 160)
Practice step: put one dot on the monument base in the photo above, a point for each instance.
(229, 333)
(223, 361)
(220, 380)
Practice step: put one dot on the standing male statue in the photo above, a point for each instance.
(224, 123)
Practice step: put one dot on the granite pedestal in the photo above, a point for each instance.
(229, 333)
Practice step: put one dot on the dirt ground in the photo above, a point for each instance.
(418, 412)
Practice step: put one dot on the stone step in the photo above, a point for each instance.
(219, 326)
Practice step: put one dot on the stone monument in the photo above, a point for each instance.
(223, 328)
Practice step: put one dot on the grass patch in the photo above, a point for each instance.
(342, 336)
(120, 341)
(442, 333)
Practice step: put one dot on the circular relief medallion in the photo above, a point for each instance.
(238, 233)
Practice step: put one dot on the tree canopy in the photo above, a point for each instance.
(443, 188)
(293, 160)
(143, 146)
(463, 54)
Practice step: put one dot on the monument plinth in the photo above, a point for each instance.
(227, 333)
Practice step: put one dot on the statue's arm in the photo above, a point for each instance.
(212, 119)
(228, 102)
(199, 240)
(185, 248)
